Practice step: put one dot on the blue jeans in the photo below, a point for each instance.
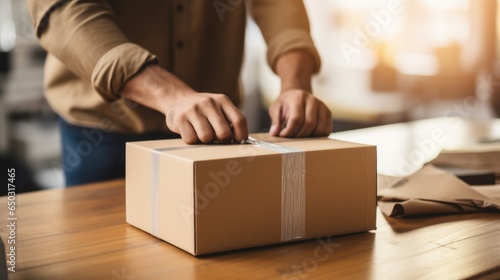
(91, 154)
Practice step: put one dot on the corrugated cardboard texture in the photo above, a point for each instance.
(236, 191)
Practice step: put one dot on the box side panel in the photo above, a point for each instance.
(339, 196)
(176, 202)
(138, 186)
(238, 203)
(371, 187)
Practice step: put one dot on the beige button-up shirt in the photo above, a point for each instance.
(95, 46)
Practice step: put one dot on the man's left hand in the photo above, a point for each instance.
(298, 113)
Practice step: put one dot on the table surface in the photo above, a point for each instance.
(81, 233)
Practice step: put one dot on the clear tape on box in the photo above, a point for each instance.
(155, 159)
(293, 192)
(293, 189)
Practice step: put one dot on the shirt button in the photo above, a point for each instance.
(180, 44)
(179, 8)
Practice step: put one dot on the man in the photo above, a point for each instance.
(124, 70)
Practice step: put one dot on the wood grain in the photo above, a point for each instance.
(80, 233)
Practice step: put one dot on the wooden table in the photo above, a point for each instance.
(80, 233)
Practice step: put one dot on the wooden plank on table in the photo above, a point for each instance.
(80, 233)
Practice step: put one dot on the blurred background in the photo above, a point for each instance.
(384, 61)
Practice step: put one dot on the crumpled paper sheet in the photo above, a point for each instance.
(433, 191)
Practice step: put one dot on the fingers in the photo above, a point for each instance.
(311, 118)
(207, 118)
(204, 130)
(221, 128)
(294, 117)
(188, 134)
(236, 119)
(303, 115)
(276, 119)
(325, 122)
(212, 117)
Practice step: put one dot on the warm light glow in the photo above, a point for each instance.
(7, 27)
(7, 35)
(446, 4)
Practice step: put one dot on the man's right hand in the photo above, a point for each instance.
(205, 117)
(197, 117)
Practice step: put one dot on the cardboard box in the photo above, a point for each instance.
(212, 198)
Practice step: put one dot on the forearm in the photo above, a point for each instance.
(295, 70)
(196, 116)
(154, 87)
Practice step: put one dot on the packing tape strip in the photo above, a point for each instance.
(155, 164)
(155, 183)
(293, 199)
(293, 189)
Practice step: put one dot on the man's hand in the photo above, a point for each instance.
(205, 117)
(297, 113)
(197, 117)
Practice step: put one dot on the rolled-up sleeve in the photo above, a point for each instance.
(83, 35)
(285, 27)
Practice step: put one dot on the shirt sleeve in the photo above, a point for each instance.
(83, 35)
(285, 27)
